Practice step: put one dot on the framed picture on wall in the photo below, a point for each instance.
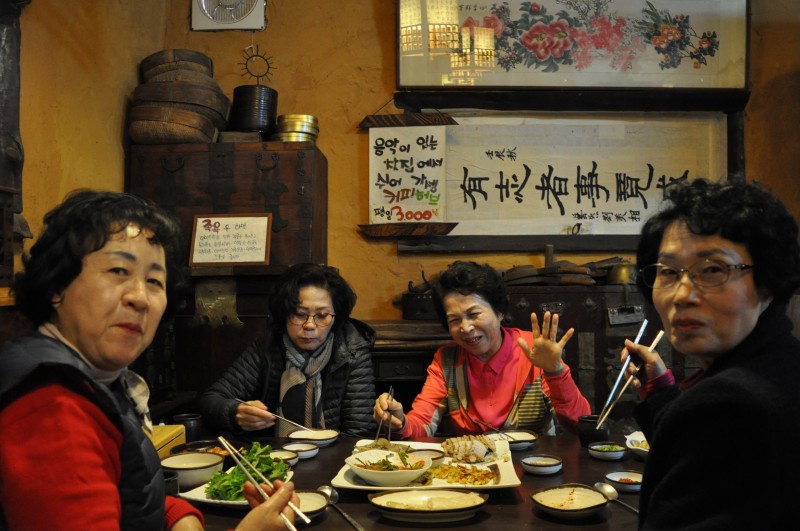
(572, 44)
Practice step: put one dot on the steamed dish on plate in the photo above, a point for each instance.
(462, 474)
(468, 448)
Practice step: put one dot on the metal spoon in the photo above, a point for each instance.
(333, 497)
(612, 494)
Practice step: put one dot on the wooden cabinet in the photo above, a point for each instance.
(227, 307)
(403, 350)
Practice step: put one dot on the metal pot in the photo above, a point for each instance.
(622, 274)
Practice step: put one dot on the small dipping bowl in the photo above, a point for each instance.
(625, 480)
(436, 456)
(541, 464)
(607, 450)
(312, 502)
(303, 450)
(287, 456)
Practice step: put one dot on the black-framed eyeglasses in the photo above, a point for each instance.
(320, 319)
(706, 273)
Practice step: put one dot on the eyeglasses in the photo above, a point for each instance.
(703, 274)
(320, 319)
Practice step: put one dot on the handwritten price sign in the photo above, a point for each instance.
(407, 174)
(231, 239)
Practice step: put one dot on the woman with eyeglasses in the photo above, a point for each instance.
(719, 263)
(313, 365)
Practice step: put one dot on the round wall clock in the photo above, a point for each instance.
(218, 15)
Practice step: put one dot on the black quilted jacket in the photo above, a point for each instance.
(348, 382)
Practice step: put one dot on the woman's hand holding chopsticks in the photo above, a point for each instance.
(653, 364)
(253, 415)
(267, 515)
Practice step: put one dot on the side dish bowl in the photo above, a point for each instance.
(318, 437)
(386, 477)
(637, 444)
(312, 502)
(625, 480)
(541, 464)
(304, 450)
(193, 468)
(607, 450)
(436, 456)
(287, 456)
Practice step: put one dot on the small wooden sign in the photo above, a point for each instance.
(230, 239)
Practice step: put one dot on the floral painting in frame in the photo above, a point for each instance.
(572, 44)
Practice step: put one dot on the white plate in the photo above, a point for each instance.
(507, 477)
(637, 437)
(198, 494)
(571, 500)
(517, 439)
(445, 505)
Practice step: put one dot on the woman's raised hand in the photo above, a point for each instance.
(546, 352)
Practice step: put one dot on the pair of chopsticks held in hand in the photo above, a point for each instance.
(380, 425)
(612, 400)
(243, 465)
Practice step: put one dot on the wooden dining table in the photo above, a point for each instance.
(507, 509)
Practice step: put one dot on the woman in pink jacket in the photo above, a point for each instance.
(490, 377)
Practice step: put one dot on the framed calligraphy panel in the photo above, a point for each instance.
(572, 44)
(577, 178)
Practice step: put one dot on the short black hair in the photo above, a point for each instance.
(81, 225)
(470, 278)
(286, 296)
(744, 213)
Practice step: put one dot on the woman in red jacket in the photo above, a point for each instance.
(74, 454)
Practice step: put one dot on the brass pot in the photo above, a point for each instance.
(622, 274)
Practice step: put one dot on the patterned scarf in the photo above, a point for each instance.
(301, 386)
(134, 385)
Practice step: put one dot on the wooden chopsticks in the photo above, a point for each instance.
(607, 411)
(240, 460)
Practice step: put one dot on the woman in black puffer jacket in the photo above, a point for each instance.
(313, 365)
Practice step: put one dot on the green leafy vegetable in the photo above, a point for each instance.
(228, 485)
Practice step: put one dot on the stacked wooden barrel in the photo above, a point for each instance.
(178, 102)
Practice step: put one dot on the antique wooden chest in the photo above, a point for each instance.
(228, 306)
(286, 179)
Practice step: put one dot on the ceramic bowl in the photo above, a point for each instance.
(436, 456)
(287, 456)
(304, 450)
(210, 446)
(541, 464)
(625, 480)
(312, 502)
(607, 450)
(193, 468)
(569, 501)
(637, 444)
(387, 478)
(319, 437)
